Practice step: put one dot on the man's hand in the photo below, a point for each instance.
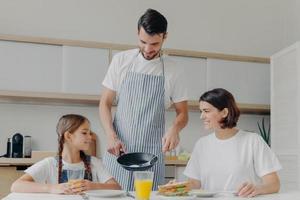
(115, 146)
(170, 140)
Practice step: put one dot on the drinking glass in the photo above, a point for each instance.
(143, 181)
(75, 178)
(75, 174)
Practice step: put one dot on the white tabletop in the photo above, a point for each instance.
(295, 195)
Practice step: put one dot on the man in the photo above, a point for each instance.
(143, 82)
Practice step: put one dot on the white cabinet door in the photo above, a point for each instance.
(30, 67)
(289, 173)
(84, 69)
(285, 100)
(285, 90)
(179, 173)
(194, 70)
(248, 82)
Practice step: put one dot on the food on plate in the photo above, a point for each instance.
(174, 189)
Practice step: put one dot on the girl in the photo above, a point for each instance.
(50, 175)
(230, 159)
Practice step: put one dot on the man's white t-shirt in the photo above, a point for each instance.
(122, 62)
(46, 170)
(226, 164)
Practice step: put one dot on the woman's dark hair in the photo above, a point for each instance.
(70, 123)
(153, 22)
(220, 99)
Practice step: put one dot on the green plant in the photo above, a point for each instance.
(265, 134)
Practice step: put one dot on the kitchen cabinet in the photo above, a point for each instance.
(13, 168)
(71, 72)
(195, 71)
(285, 115)
(8, 174)
(30, 67)
(248, 82)
(174, 170)
(84, 69)
(60, 69)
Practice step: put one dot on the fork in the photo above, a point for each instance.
(128, 195)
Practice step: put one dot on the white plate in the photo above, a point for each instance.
(175, 197)
(202, 193)
(105, 193)
(226, 194)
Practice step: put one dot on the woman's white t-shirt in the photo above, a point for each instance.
(122, 62)
(226, 164)
(46, 170)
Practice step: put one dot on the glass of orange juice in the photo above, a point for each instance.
(143, 181)
(75, 178)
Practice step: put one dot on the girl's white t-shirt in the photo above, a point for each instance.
(226, 164)
(46, 170)
(132, 60)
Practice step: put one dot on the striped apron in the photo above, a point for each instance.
(139, 123)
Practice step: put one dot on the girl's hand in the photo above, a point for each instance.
(62, 188)
(80, 186)
(248, 189)
(87, 185)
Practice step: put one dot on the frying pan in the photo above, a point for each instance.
(137, 161)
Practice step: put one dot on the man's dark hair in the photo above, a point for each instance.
(220, 99)
(153, 22)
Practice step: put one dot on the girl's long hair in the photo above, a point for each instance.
(70, 123)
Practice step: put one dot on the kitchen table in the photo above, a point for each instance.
(293, 195)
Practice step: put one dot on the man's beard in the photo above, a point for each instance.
(152, 57)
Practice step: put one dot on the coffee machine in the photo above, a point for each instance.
(17, 146)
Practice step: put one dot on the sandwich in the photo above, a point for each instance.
(174, 189)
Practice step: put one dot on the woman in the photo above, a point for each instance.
(51, 175)
(230, 159)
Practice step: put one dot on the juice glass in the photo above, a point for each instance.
(75, 178)
(75, 174)
(143, 181)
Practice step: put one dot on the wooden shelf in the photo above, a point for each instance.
(48, 98)
(51, 98)
(244, 108)
(176, 162)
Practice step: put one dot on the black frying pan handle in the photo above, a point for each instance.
(121, 153)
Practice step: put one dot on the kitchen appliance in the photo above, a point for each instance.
(8, 148)
(27, 146)
(17, 146)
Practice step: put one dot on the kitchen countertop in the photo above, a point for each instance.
(293, 195)
(39, 155)
(36, 156)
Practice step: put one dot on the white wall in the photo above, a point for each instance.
(257, 28)
(291, 22)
